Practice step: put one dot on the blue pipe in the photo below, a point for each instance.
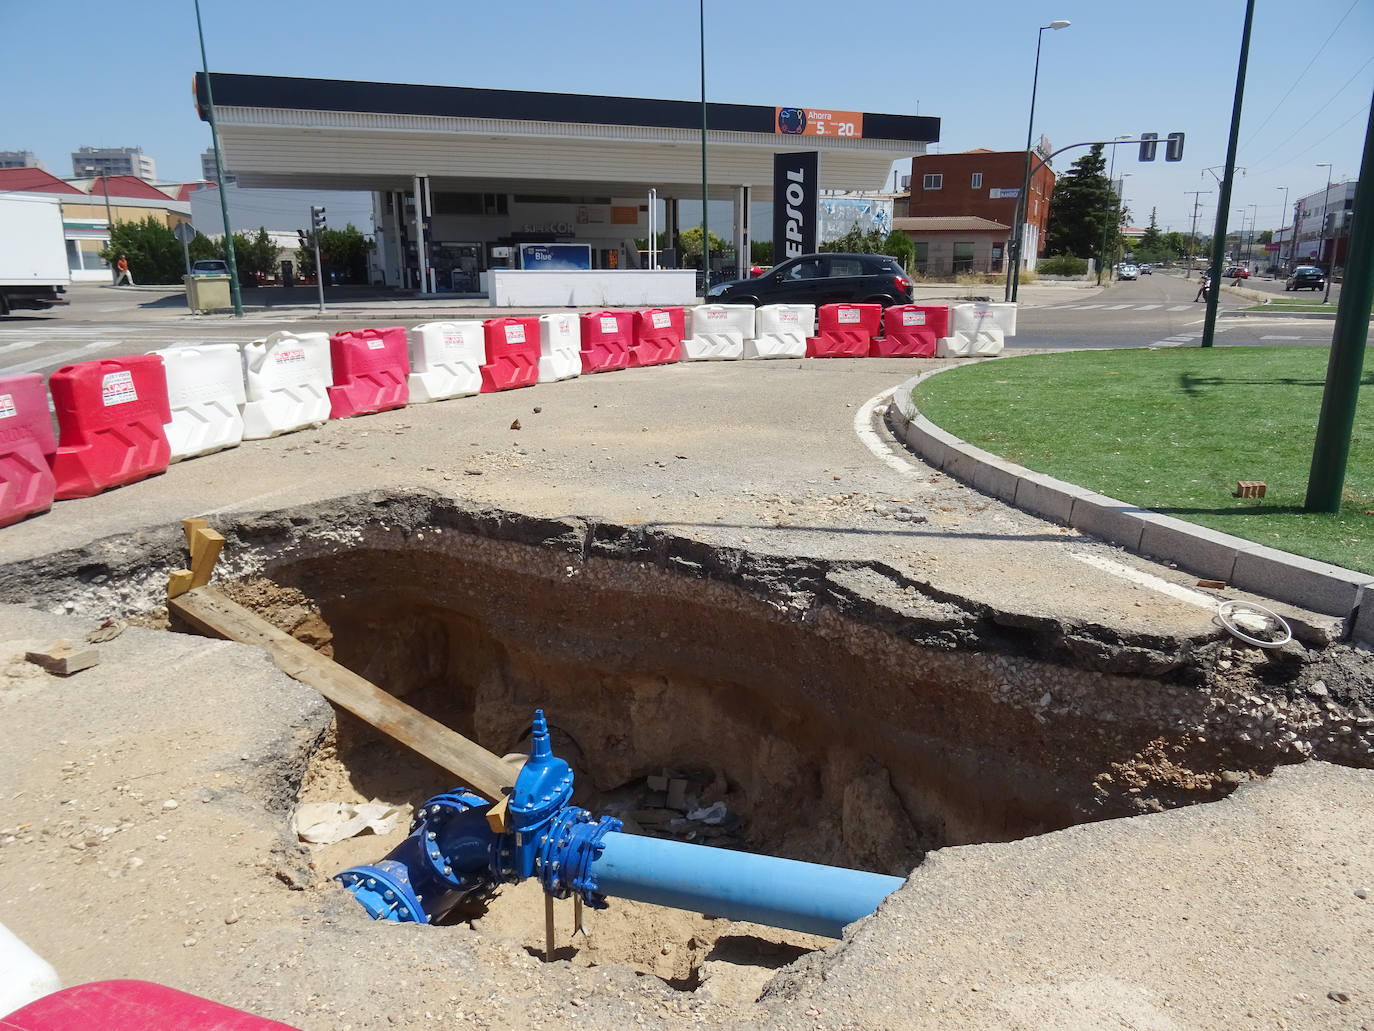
(737, 885)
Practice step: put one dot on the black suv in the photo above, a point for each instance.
(822, 279)
(1305, 277)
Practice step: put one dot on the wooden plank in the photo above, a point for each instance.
(189, 527)
(210, 612)
(178, 583)
(205, 549)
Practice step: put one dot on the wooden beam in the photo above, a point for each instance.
(205, 548)
(211, 613)
(178, 583)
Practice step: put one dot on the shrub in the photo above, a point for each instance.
(1062, 265)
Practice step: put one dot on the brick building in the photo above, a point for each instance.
(983, 183)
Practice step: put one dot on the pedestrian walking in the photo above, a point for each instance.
(1202, 289)
(123, 266)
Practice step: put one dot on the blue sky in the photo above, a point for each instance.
(120, 74)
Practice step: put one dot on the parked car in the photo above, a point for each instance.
(1147, 269)
(1127, 272)
(822, 279)
(1237, 272)
(1305, 277)
(210, 267)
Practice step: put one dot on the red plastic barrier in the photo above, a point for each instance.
(110, 415)
(27, 485)
(911, 331)
(131, 1006)
(606, 340)
(844, 330)
(371, 369)
(512, 353)
(658, 337)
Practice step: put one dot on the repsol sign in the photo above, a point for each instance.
(796, 204)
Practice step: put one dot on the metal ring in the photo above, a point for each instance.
(1226, 608)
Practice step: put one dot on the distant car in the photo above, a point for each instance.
(1128, 272)
(822, 279)
(1237, 272)
(1147, 270)
(210, 267)
(1305, 277)
(757, 270)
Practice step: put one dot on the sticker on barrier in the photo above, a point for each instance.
(560, 347)
(286, 379)
(371, 370)
(27, 485)
(606, 340)
(110, 415)
(844, 330)
(446, 360)
(205, 392)
(658, 334)
(512, 353)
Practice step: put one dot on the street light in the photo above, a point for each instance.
(1111, 188)
(1293, 237)
(1018, 238)
(1321, 239)
(705, 231)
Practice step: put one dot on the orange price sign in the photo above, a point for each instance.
(806, 121)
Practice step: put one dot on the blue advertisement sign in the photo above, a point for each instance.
(555, 257)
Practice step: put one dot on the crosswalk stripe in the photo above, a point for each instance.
(19, 345)
(60, 358)
(1088, 307)
(1117, 307)
(1179, 307)
(1148, 307)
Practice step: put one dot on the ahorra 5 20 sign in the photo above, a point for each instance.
(806, 121)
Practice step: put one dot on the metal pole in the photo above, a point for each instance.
(109, 224)
(1343, 369)
(1111, 189)
(1209, 327)
(1331, 261)
(705, 231)
(1019, 231)
(319, 269)
(234, 291)
(1279, 252)
(1192, 233)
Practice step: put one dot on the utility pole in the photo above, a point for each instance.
(234, 292)
(1209, 326)
(1332, 447)
(705, 230)
(1192, 233)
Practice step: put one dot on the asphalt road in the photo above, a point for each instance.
(1155, 311)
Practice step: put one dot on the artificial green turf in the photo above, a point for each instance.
(1294, 306)
(1172, 430)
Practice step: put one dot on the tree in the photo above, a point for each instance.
(256, 257)
(690, 241)
(1084, 209)
(343, 251)
(1266, 237)
(898, 245)
(1153, 240)
(761, 252)
(153, 252)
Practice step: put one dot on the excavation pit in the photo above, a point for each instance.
(841, 714)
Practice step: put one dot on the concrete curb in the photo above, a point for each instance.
(1241, 313)
(1241, 564)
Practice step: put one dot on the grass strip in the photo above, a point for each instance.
(1173, 430)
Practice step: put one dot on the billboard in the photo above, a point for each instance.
(555, 257)
(808, 121)
(796, 196)
(841, 214)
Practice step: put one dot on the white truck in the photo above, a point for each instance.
(33, 252)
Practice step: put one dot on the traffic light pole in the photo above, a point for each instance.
(235, 293)
(319, 269)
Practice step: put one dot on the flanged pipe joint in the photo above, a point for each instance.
(459, 849)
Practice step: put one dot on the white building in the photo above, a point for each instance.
(89, 162)
(1325, 245)
(19, 159)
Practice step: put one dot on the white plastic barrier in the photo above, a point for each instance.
(560, 347)
(25, 976)
(205, 391)
(716, 331)
(781, 331)
(984, 316)
(446, 360)
(285, 380)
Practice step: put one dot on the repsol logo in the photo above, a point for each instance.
(795, 196)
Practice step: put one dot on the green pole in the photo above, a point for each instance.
(1224, 201)
(1343, 369)
(234, 291)
(705, 232)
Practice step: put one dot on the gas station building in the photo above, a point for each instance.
(477, 173)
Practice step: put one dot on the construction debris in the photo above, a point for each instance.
(64, 660)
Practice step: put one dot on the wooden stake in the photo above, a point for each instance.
(178, 583)
(205, 549)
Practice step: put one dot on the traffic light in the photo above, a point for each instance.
(1173, 147)
(305, 240)
(1148, 142)
(317, 217)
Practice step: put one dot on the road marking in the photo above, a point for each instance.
(1145, 579)
(60, 358)
(1117, 307)
(19, 345)
(1148, 307)
(1179, 307)
(1087, 307)
(863, 429)
(1282, 338)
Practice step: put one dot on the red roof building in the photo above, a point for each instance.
(126, 186)
(33, 180)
